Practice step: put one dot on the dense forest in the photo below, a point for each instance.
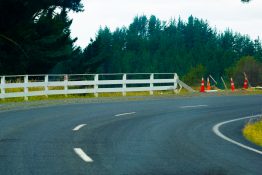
(151, 45)
(35, 39)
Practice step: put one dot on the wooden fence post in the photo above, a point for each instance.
(3, 87)
(66, 85)
(96, 79)
(46, 86)
(26, 87)
(175, 83)
(124, 85)
(151, 84)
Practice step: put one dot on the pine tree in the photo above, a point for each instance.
(35, 35)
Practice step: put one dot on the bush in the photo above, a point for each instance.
(251, 67)
(193, 77)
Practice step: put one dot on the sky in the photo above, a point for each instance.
(245, 18)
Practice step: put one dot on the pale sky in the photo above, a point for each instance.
(222, 14)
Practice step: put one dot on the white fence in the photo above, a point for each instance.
(45, 85)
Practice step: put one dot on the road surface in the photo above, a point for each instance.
(165, 136)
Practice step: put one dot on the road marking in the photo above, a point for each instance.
(130, 113)
(82, 155)
(196, 106)
(79, 127)
(218, 133)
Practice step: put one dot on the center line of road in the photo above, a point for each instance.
(82, 155)
(129, 113)
(196, 106)
(79, 127)
(218, 133)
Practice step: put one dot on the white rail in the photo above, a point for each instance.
(45, 85)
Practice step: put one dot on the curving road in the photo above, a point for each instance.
(164, 136)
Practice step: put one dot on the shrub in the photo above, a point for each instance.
(251, 67)
(193, 77)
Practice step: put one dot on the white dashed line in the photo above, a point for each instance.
(83, 155)
(218, 133)
(196, 106)
(130, 113)
(79, 127)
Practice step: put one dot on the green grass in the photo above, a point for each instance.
(12, 90)
(31, 89)
(118, 94)
(253, 132)
(58, 97)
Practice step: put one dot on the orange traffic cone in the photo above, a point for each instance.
(232, 85)
(245, 83)
(202, 89)
(208, 84)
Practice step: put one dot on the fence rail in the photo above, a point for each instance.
(45, 85)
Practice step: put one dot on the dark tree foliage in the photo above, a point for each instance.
(35, 35)
(35, 38)
(249, 66)
(150, 45)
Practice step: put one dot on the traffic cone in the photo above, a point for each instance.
(232, 85)
(245, 83)
(202, 88)
(208, 84)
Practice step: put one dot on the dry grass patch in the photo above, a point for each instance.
(253, 132)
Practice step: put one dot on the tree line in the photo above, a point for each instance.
(35, 39)
(152, 45)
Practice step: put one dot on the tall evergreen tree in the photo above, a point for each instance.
(151, 45)
(35, 35)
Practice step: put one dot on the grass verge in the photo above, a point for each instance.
(112, 95)
(253, 132)
(61, 97)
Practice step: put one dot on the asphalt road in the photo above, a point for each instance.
(165, 136)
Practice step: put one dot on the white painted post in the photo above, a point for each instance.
(3, 87)
(151, 84)
(124, 85)
(66, 84)
(46, 85)
(175, 83)
(96, 85)
(26, 87)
